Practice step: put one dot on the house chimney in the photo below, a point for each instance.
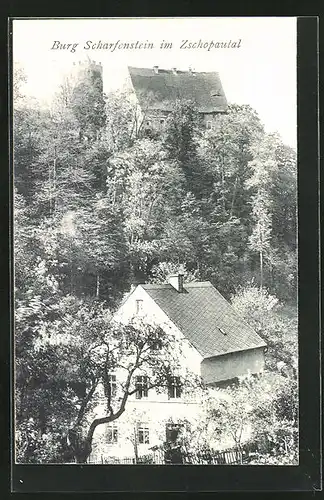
(156, 69)
(176, 280)
(191, 71)
(174, 71)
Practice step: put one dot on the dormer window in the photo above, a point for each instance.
(139, 306)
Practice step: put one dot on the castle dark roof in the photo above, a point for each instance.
(205, 318)
(161, 89)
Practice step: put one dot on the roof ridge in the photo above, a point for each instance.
(179, 70)
(206, 318)
(191, 284)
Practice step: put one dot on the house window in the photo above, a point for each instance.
(143, 433)
(112, 434)
(162, 121)
(112, 384)
(156, 345)
(139, 306)
(171, 432)
(209, 125)
(141, 385)
(174, 388)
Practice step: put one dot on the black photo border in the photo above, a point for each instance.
(104, 478)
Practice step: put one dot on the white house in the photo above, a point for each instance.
(216, 344)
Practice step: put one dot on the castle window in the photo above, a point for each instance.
(209, 125)
(112, 434)
(174, 388)
(143, 433)
(141, 385)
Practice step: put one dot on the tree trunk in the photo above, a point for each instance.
(80, 447)
(98, 286)
(54, 179)
(81, 455)
(135, 446)
(234, 195)
(261, 269)
(223, 187)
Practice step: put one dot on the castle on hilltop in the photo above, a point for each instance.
(156, 90)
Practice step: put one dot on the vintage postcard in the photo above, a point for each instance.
(155, 241)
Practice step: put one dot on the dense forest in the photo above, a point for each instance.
(101, 205)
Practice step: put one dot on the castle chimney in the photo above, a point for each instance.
(176, 280)
(156, 69)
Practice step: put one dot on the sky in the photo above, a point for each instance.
(259, 71)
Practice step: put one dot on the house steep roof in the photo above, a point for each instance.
(205, 318)
(158, 91)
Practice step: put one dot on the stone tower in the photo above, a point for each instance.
(87, 70)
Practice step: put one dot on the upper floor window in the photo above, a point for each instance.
(112, 434)
(156, 344)
(139, 306)
(141, 385)
(143, 433)
(209, 125)
(174, 388)
(112, 384)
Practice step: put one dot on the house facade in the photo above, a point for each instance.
(157, 89)
(216, 346)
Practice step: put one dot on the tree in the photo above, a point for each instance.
(263, 164)
(18, 80)
(180, 141)
(130, 348)
(163, 270)
(88, 104)
(274, 435)
(93, 250)
(130, 427)
(225, 152)
(144, 184)
(275, 323)
(231, 413)
(259, 415)
(86, 348)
